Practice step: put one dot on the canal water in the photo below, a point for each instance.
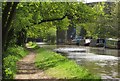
(99, 61)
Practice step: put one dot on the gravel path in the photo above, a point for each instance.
(26, 69)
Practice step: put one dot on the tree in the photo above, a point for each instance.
(116, 20)
(7, 17)
(102, 24)
(30, 15)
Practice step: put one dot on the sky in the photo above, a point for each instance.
(94, 0)
(89, 1)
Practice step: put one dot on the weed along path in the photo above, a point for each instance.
(26, 68)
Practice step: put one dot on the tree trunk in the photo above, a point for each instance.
(21, 37)
(5, 13)
(10, 37)
(8, 24)
(61, 36)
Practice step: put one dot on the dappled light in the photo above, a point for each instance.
(60, 40)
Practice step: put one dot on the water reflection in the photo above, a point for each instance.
(98, 61)
(105, 51)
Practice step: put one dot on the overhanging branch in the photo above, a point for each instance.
(49, 20)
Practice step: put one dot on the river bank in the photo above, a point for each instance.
(60, 67)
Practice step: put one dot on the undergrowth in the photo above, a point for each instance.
(10, 57)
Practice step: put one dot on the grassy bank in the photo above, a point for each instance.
(60, 67)
(10, 57)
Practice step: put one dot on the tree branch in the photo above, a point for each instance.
(49, 20)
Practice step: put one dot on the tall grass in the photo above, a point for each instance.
(60, 67)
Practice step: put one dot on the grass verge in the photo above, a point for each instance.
(60, 67)
(10, 57)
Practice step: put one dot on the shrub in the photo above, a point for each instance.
(10, 57)
(32, 45)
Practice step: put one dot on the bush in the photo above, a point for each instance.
(32, 45)
(10, 57)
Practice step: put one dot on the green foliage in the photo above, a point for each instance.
(10, 57)
(39, 19)
(116, 20)
(102, 24)
(32, 45)
(50, 10)
(51, 35)
(41, 30)
(42, 19)
(63, 24)
(9, 66)
(60, 67)
(28, 15)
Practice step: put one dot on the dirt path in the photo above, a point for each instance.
(26, 69)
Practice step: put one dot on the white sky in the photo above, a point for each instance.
(89, 1)
(94, 0)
